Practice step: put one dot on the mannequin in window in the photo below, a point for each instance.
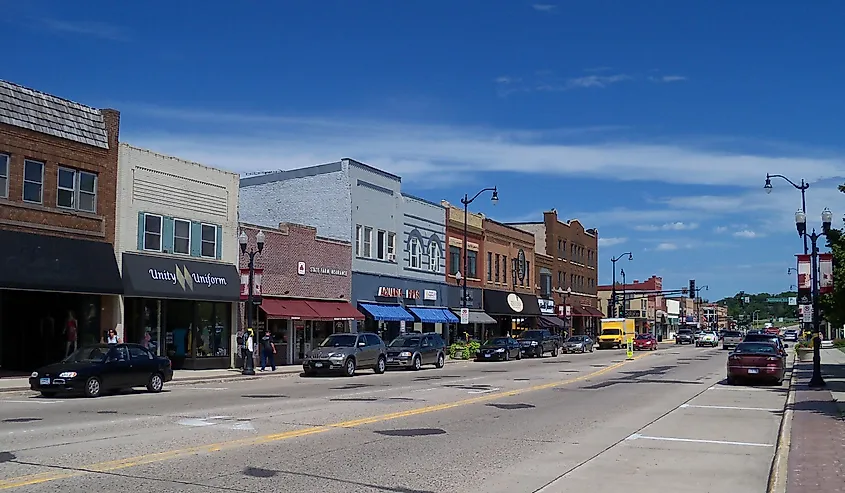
(71, 332)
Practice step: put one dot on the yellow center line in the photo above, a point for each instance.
(110, 466)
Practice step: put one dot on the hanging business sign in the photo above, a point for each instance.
(547, 307)
(521, 265)
(825, 273)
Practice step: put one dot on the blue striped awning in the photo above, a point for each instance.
(387, 313)
(431, 315)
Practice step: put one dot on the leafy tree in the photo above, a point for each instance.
(739, 310)
(833, 305)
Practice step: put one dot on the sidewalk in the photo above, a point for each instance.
(816, 463)
(185, 377)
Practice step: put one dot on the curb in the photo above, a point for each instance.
(234, 377)
(779, 469)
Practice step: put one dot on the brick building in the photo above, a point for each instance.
(574, 270)
(508, 276)
(642, 301)
(58, 277)
(306, 287)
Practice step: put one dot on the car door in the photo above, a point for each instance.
(117, 370)
(374, 344)
(142, 364)
(428, 350)
(363, 351)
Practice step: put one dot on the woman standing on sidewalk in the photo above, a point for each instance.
(268, 351)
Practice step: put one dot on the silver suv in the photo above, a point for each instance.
(345, 352)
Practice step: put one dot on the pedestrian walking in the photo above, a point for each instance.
(111, 337)
(268, 351)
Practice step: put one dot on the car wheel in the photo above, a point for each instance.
(47, 394)
(441, 361)
(308, 373)
(381, 365)
(730, 380)
(349, 367)
(417, 363)
(156, 383)
(519, 354)
(93, 387)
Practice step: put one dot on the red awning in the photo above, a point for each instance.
(335, 310)
(288, 309)
(576, 311)
(592, 312)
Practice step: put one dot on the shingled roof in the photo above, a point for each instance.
(26, 108)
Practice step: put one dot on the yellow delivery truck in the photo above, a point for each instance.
(616, 332)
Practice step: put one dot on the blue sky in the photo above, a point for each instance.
(654, 121)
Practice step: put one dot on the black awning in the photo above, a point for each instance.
(52, 263)
(511, 304)
(153, 276)
(551, 322)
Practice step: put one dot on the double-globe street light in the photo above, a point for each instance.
(249, 362)
(801, 226)
(802, 188)
(613, 289)
(466, 200)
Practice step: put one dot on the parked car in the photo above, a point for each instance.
(731, 338)
(537, 342)
(645, 342)
(578, 344)
(499, 349)
(684, 336)
(758, 361)
(758, 337)
(707, 339)
(345, 352)
(414, 350)
(94, 370)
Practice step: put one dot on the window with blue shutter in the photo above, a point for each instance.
(219, 245)
(140, 231)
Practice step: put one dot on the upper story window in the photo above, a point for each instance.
(367, 244)
(209, 241)
(76, 190)
(381, 245)
(358, 232)
(415, 253)
(498, 268)
(391, 247)
(472, 264)
(33, 181)
(152, 232)
(454, 259)
(505, 269)
(182, 236)
(4, 176)
(489, 266)
(434, 257)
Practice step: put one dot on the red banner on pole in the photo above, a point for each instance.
(258, 274)
(825, 273)
(804, 268)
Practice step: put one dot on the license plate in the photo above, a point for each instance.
(318, 365)
(390, 360)
(753, 370)
(45, 381)
(486, 355)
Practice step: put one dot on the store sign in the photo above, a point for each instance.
(430, 295)
(300, 268)
(520, 265)
(186, 279)
(388, 292)
(156, 276)
(515, 302)
(257, 276)
(327, 271)
(546, 306)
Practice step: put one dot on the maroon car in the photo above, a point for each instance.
(645, 342)
(756, 361)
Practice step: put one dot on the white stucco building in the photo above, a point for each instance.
(176, 245)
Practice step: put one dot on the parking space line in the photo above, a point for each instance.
(735, 408)
(637, 436)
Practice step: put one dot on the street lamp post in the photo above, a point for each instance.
(802, 187)
(249, 362)
(566, 294)
(613, 261)
(698, 302)
(624, 312)
(801, 226)
(466, 200)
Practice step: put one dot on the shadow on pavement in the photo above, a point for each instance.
(269, 473)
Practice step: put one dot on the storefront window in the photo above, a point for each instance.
(213, 329)
(179, 324)
(143, 323)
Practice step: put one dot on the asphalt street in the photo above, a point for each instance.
(573, 423)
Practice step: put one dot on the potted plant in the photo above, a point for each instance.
(804, 351)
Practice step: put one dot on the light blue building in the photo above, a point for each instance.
(398, 254)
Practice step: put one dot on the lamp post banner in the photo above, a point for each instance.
(825, 273)
(804, 278)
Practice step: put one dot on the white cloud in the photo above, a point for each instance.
(608, 242)
(87, 28)
(243, 142)
(667, 246)
(668, 78)
(720, 229)
(588, 81)
(544, 7)
(674, 226)
(746, 233)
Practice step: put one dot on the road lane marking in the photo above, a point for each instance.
(33, 401)
(109, 466)
(637, 436)
(736, 408)
(485, 391)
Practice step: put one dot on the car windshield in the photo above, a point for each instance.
(643, 336)
(496, 341)
(531, 334)
(339, 340)
(760, 338)
(576, 339)
(405, 342)
(610, 332)
(95, 354)
(756, 348)
(684, 332)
